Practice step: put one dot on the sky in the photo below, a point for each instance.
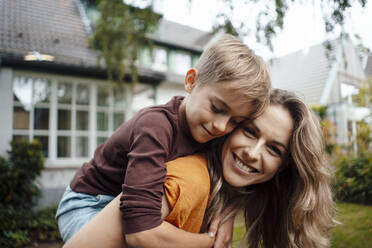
(303, 24)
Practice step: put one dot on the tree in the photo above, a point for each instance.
(364, 98)
(270, 19)
(121, 29)
(119, 35)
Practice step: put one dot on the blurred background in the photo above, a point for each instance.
(72, 71)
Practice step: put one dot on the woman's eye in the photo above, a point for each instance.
(215, 109)
(276, 150)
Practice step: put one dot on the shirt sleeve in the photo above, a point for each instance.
(187, 191)
(142, 190)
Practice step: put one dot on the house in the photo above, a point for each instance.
(325, 77)
(368, 67)
(368, 73)
(55, 89)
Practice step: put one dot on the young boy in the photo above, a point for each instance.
(229, 84)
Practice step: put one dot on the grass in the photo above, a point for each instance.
(354, 232)
(356, 228)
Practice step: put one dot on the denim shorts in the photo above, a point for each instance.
(77, 209)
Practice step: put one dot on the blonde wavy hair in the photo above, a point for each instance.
(295, 208)
(230, 60)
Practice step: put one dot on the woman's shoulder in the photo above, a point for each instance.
(191, 168)
(187, 191)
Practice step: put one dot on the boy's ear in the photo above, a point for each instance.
(190, 79)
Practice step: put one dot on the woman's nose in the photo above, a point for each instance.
(253, 152)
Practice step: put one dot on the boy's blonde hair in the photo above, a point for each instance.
(229, 59)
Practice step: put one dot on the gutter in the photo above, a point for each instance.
(17, 61)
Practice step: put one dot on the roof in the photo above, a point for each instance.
(304, 72)
(48, 27)
(175, 34)
(56, 28)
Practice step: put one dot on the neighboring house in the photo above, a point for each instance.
(368, 67)
(323, 77)
(368, 73)
(54, 89)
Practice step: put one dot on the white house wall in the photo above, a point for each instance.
(352, 65)
(166, 90)
(6, 109)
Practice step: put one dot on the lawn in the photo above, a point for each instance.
(356, 228)
(354, 232)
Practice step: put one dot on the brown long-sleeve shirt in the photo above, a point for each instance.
(133, 160)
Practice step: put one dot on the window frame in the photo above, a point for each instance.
(53, 161)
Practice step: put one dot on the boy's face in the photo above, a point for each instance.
(213, 111)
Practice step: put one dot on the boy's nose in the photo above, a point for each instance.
(220, 125)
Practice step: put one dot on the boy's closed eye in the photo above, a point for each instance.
(234, 122)
(216, 110)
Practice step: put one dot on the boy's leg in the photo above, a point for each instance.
(77, 209)
(104, 230)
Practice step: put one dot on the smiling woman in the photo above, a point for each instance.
(274, 169)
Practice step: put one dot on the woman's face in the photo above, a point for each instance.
(254, 152)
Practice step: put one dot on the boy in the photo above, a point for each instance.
(229, 84)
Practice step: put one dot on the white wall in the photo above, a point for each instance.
(6, 109)
(166, 90)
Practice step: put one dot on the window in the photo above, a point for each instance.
(70, 118)
(195, 59)
(159, 56)
(31, 109)
(155, 59)
(145, 58)
(179, 62)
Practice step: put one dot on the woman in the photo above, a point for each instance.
(295, 207)
(272, 168)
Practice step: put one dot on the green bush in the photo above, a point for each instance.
(19, 225)
(354, 179)
(19, 228)
(18, 187)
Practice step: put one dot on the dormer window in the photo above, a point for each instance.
(179, 62)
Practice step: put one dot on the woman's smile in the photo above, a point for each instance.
(245, 168)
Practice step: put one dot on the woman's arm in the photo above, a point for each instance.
(105, 230)
(223, 230)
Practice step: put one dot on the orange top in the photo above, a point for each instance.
(187, 190)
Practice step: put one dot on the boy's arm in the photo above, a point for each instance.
(149, 146)
(166, 235)
(184, 206)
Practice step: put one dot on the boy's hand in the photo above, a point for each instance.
(223, 232)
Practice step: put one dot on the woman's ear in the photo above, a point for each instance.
(190, 79)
